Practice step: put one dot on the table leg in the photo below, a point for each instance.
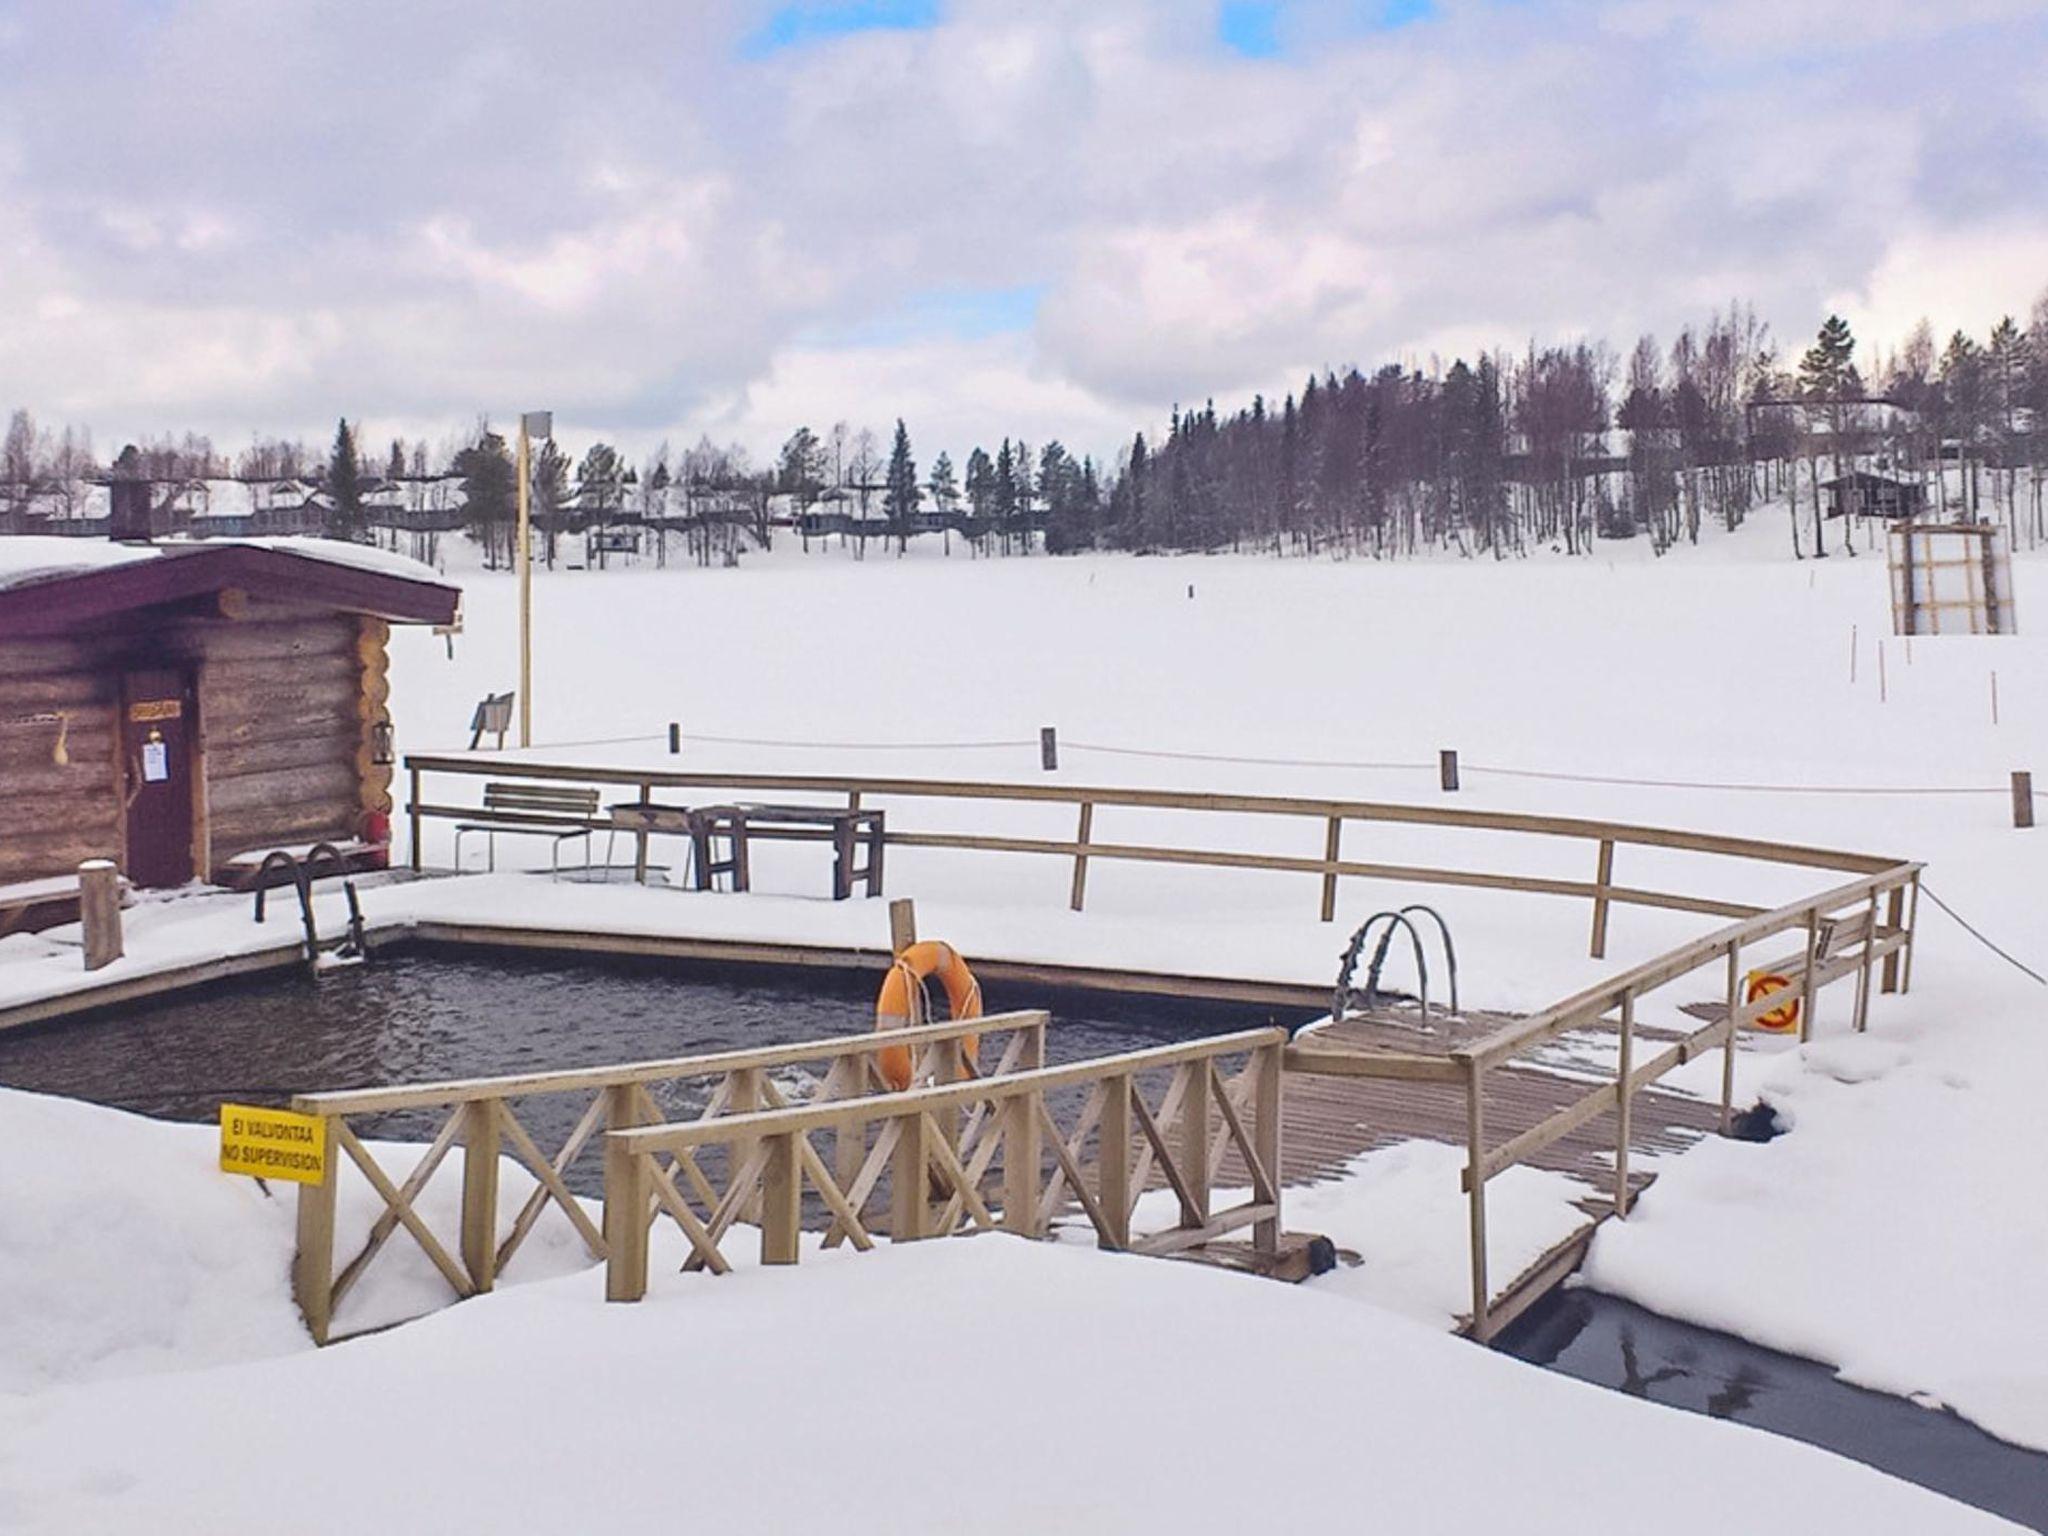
(842, 857)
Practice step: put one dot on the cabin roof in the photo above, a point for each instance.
(1865, 478)
(48, 585)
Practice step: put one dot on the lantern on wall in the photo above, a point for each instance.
(380, 743)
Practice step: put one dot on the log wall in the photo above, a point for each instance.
(287, 695)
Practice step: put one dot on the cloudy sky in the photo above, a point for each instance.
(1036, 217)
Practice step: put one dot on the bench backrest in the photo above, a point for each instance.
(546, 799)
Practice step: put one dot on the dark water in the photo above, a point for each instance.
(1599, 1339)
(422, 1015)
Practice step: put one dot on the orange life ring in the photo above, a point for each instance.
(1780, 1020)
(902, 1001)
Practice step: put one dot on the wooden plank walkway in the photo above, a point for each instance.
(1331, 1120)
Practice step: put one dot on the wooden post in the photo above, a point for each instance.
(639, 840)
(745, 1098)
(781, 1201)
(1728, 1053)
(1113, 1162)
(628, 1186)
(1022, 1156)
(1447, 769)
(1894, 918)
(2022, 798)
(413, 810)
(909, 1210)
(902, 924)
(1882, 693)
(1081, 836)
(1048, 748)
(1333, 836)
(1994, 698)
(1603, 878)
(1475, 1174)
(1807, 990)
(1862, 1020)
(1194, 1143)
(1624, 1106)
(480, 1192)
(675, 738)
(1912, 928)
(99, 910)
(1268, 1107)
(313, 1260)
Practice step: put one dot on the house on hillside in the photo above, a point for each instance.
(183, 708)
(1863, 494)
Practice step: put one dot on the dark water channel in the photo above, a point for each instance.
(422, 1014)
(1615, 1344)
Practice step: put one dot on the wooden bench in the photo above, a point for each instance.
(558, 811)
(845, 829)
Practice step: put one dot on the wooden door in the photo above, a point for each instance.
(159, 769)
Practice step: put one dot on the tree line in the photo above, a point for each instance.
(1552, 447)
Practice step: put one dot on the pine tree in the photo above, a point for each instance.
(902, 494)
(345, 486)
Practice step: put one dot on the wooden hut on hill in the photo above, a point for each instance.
(181, 708)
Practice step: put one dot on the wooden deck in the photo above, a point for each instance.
(1331, 1120)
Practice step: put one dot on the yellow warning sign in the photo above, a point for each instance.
(273, 1144)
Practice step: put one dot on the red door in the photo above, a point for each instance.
(157, 734)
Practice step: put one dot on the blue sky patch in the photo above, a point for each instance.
(805, 21)
(1255, 28)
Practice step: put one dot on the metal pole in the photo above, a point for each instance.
(524, 555)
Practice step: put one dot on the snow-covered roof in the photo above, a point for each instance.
(28, 558)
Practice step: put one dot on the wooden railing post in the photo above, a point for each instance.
(1912, 929)
(1807, 990)
(628, 1186)
(1624, 1107)
(413, 812)
(99, 911)
(1728, 1051)
(313, 1260)
(628, 1189)
(1475, 1166)
(1022, 1156)
(1603, 879)
(1268, 1107)
(1194, 1142)
(1113, 1162)
(782, 1218)
(2022, 798)
(480, 1192)
(1081, 836)
(909, 1166)
(1333, 837)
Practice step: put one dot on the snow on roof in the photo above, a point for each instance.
(29, 558)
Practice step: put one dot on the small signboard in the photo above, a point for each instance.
(273, 1144)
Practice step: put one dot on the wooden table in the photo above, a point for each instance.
(644, 817)
(848, 831)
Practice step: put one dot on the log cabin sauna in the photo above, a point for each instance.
(187, 708)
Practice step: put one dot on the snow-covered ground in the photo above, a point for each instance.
(1898, 1232)
(986, 1383)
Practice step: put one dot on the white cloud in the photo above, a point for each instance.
(235, 216)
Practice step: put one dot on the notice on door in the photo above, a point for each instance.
(273, 1144)
(156, 762)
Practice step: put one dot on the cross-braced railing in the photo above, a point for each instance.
(938, 1148)
(482, 1115)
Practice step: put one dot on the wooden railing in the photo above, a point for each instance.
(1842, 933)
(1329, 816)
(938, 1147)
(481, 1116)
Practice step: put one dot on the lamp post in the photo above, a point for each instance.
(532, 424)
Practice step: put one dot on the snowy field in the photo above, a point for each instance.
(1897, 1233)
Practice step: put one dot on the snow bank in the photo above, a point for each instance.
(985, 1383)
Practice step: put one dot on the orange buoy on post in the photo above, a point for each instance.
(1782, 1019)
(902, 1001)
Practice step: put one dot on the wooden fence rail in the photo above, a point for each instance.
(482, 1118)
(938, 1147)
(1330, 816)
(1846, 932)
